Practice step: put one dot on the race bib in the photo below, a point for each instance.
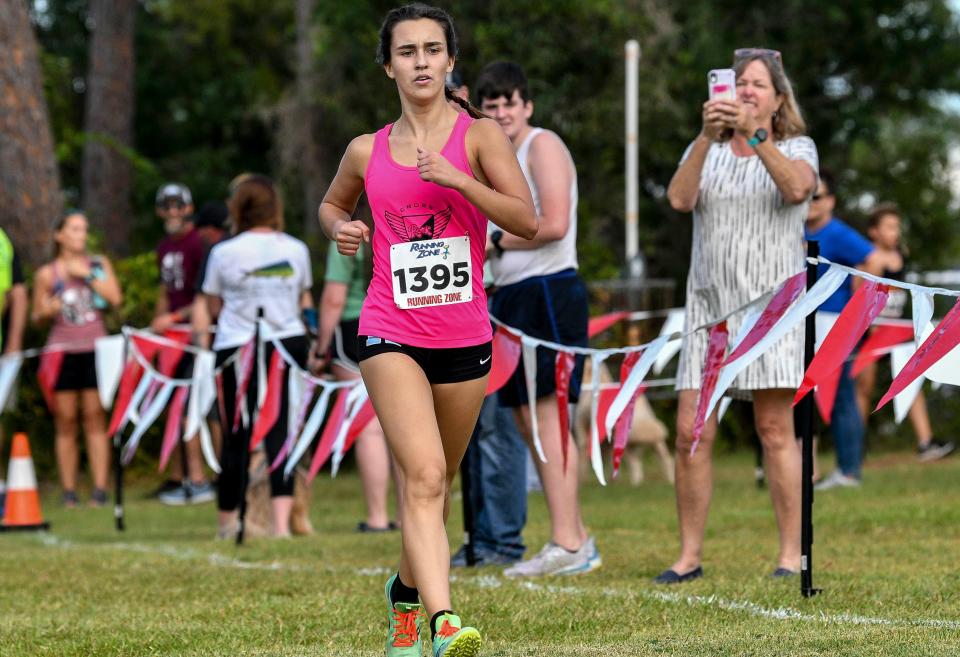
(431, 272)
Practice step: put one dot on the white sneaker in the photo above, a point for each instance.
(555, 560)
(837, 479)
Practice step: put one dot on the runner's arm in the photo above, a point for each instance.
(340, 201)
(506, 201)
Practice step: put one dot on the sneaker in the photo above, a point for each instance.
(837, 479)
(481, 558)
(934, 450)
(673, 577)
(189, 494)
(454, 640)
(202, 493)
(70, 499)
(403, 626)
(166, 487)
(98, 498)
(555, 560)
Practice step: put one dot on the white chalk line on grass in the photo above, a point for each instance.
(751, 608)
(213, 558)
(494, 582)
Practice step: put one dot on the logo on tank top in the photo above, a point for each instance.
(420, 224)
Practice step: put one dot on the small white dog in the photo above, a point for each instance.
(645, 430)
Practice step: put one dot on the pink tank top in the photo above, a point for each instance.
(414, 219)
(80, 322)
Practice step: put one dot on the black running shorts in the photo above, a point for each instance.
(440, 365)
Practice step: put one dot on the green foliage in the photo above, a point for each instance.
(139, 279)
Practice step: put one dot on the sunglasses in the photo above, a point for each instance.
(172, 205)
(748, 53)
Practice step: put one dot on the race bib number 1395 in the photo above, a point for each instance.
(431, 272)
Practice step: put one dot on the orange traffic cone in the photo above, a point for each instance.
(23, 503)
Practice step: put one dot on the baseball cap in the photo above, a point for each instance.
(176, 191)
(213, 214)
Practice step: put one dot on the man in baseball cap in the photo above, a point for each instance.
(179, 255)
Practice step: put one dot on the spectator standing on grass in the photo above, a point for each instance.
(73, 291)
(13, 315)
(180, 257)
(540, 293)
(884, 230)
(261, 268)
(496, 459)
(841, 244)
(747, 178)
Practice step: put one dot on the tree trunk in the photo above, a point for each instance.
(108, 122)
(307, 149)
(30, 197)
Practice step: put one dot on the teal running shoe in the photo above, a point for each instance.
(454, 640)
(403, 633)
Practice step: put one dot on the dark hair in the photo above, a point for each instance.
(502, 79)
(414, 12)
(882, 210)
(61, 223)
(828, 181)
(255, 202)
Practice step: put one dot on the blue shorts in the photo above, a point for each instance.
(554, 308)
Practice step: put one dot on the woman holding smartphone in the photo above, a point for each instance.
(431, 177)
(747, 178)
(73, 291)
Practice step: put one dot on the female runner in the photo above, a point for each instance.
(432, 178)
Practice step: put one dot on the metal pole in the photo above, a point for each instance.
(806, 417)
(634, 266)
(118, 511)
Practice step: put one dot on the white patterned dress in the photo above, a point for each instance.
(746, 240)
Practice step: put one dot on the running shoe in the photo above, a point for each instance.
(454, 640)
(197, 494)
(934, 450)
(555, 560)
(403, 626)
(837, 479)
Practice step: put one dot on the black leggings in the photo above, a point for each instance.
(234, 443)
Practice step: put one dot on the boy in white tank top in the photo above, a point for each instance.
(540, 293)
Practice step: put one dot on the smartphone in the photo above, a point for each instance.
(722, 84)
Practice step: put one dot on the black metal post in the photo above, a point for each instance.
(245, 433)
(805, 429)
(118, 511)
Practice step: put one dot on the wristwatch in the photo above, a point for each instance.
(758, 137)
(495, 238)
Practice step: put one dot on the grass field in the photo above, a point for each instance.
(886, 556)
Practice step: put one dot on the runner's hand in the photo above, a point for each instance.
(349, 235)
(434, 167)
